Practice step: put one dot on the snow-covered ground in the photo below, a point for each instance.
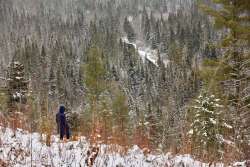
(18, 149)
(145, 53)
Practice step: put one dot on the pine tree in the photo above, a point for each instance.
(164, 39)
(143, 18)
(171, 35)
(95, 82)
(127, 26)
(210, 51)
(60, 79)
(121, 117)
(234, 16)
(73, 119)
(17, 87)
(17, 84)
(154, 125)
(52, 82)
(155, 41)
(3, 101)
(44, 87)
(146, 26)
(208, 125)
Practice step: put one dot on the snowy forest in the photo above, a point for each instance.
(143, 83)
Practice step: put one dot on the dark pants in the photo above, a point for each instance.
(58, 129)
(66, 132)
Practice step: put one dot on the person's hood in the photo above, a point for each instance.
(62, 109)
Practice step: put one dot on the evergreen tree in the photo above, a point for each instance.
(129, 30)
(171, 35)
(73, 119)
(60, 80)
(43, 63)
(52, 82)
(121, 117)
(94, 82)
(233, 15)
(155, 41)
(44, 87)
(210, 51)
(143, 18)
(146, 26)
(17, 84)
(164, 40)
(208, 125)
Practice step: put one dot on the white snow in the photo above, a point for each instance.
(17, 63)
(212, 120)
(23, 149)
(228, 126)
(145, 52)
(130, 18)
(17, 95)
(191, 131)
(18, 78)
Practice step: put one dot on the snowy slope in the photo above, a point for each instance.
(145, 52)
(15, 150)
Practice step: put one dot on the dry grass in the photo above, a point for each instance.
(3, 164)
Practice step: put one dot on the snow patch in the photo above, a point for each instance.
(145, 52)
(22, 149)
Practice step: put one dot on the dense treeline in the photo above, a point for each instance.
(88, 55)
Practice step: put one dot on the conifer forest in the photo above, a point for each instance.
(124, 83)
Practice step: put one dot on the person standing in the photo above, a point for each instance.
(62, 125)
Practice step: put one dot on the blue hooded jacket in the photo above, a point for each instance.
(63, 127)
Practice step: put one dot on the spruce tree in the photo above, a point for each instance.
(121, 117)
(52, 82)
(146, 26)
(208, 125)
(95, 83)
(44, 87)
(129, 30)
(233, 15)
(155, 41)
(17, 84)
